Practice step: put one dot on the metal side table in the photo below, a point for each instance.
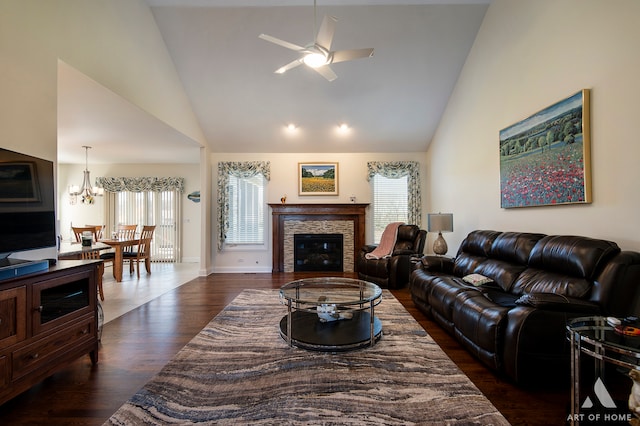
(595, 337)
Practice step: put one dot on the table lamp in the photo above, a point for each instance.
(440, 222)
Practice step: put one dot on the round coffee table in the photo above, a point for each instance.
(330, 314)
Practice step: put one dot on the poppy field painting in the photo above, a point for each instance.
(545, 159)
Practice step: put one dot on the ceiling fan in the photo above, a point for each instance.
(318, 54)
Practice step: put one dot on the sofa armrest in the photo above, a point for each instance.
(558, 302)
(368, 248)
(403, 252)
(437, 264)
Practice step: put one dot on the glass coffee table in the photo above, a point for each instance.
(330, 314)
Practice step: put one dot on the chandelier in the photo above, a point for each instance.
(87, 192)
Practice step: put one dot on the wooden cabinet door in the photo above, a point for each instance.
(61, 299)
(13, 318)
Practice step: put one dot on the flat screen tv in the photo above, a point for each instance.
(27, 207)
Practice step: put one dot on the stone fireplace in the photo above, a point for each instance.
(318, 227)
(291, 219)
(318, 252)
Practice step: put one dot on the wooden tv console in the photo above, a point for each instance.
(47, 320)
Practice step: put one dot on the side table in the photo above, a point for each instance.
(595, 337)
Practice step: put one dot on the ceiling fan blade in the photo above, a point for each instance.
(281, 42)
(287, 67)
(325, 34)
(347, 55)
(326, 72)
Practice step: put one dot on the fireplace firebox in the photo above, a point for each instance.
(318, 252)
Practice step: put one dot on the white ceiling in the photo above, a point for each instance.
(391, 101)
(117, 131)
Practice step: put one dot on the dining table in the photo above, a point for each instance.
(72, 250)
(119, 246)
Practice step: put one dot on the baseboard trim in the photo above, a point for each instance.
(241, 270)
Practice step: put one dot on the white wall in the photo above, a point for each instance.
(352, 169)
(528, 55)
(81, 214)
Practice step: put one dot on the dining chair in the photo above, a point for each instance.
(143, 251)
(124, 232)
(78, 230)
(95, 254)
(98, 231)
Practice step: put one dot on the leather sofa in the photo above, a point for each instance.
(516, 323)
(393, 271)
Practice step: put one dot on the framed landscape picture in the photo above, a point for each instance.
(545, 159)
(317, 178)
(18, 182)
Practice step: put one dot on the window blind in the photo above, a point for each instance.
(246, 210)
(151, 208)
(390, 203)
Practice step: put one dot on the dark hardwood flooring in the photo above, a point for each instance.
(137, 345)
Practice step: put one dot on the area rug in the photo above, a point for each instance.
(239, 370)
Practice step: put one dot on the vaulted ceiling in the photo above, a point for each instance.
(392, 102)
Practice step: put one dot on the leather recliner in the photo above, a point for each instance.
(516, 324)
(393, 271)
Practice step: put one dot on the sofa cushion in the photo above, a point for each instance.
(441, 297)
(575, 256)
(503, 273)
(514, 247)
(474, 250)
(534, 280)
(564, 265)
(406, 237)
(502, 261)
(479, 325)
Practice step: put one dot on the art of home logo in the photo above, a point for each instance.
(602, 411)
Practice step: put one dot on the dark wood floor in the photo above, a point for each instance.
(137, 345)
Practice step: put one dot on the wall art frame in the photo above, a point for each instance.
(18, 183)
(318, 178)
(545, 159)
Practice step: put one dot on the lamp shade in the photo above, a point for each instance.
(440, 222)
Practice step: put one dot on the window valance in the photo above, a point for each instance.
(140, 184)
(398, 169)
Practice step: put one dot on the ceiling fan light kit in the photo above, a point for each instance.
(315, 60)
(318, 55)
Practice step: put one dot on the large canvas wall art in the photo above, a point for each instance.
(545, 159)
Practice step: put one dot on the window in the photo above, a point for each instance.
(152, 208)
(390, 203)
(396, 193)
(241, 209)
(147, 201)
(246, 210)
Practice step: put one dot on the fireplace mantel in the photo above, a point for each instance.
(284, 212)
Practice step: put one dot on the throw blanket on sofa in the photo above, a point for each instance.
(387, 242)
